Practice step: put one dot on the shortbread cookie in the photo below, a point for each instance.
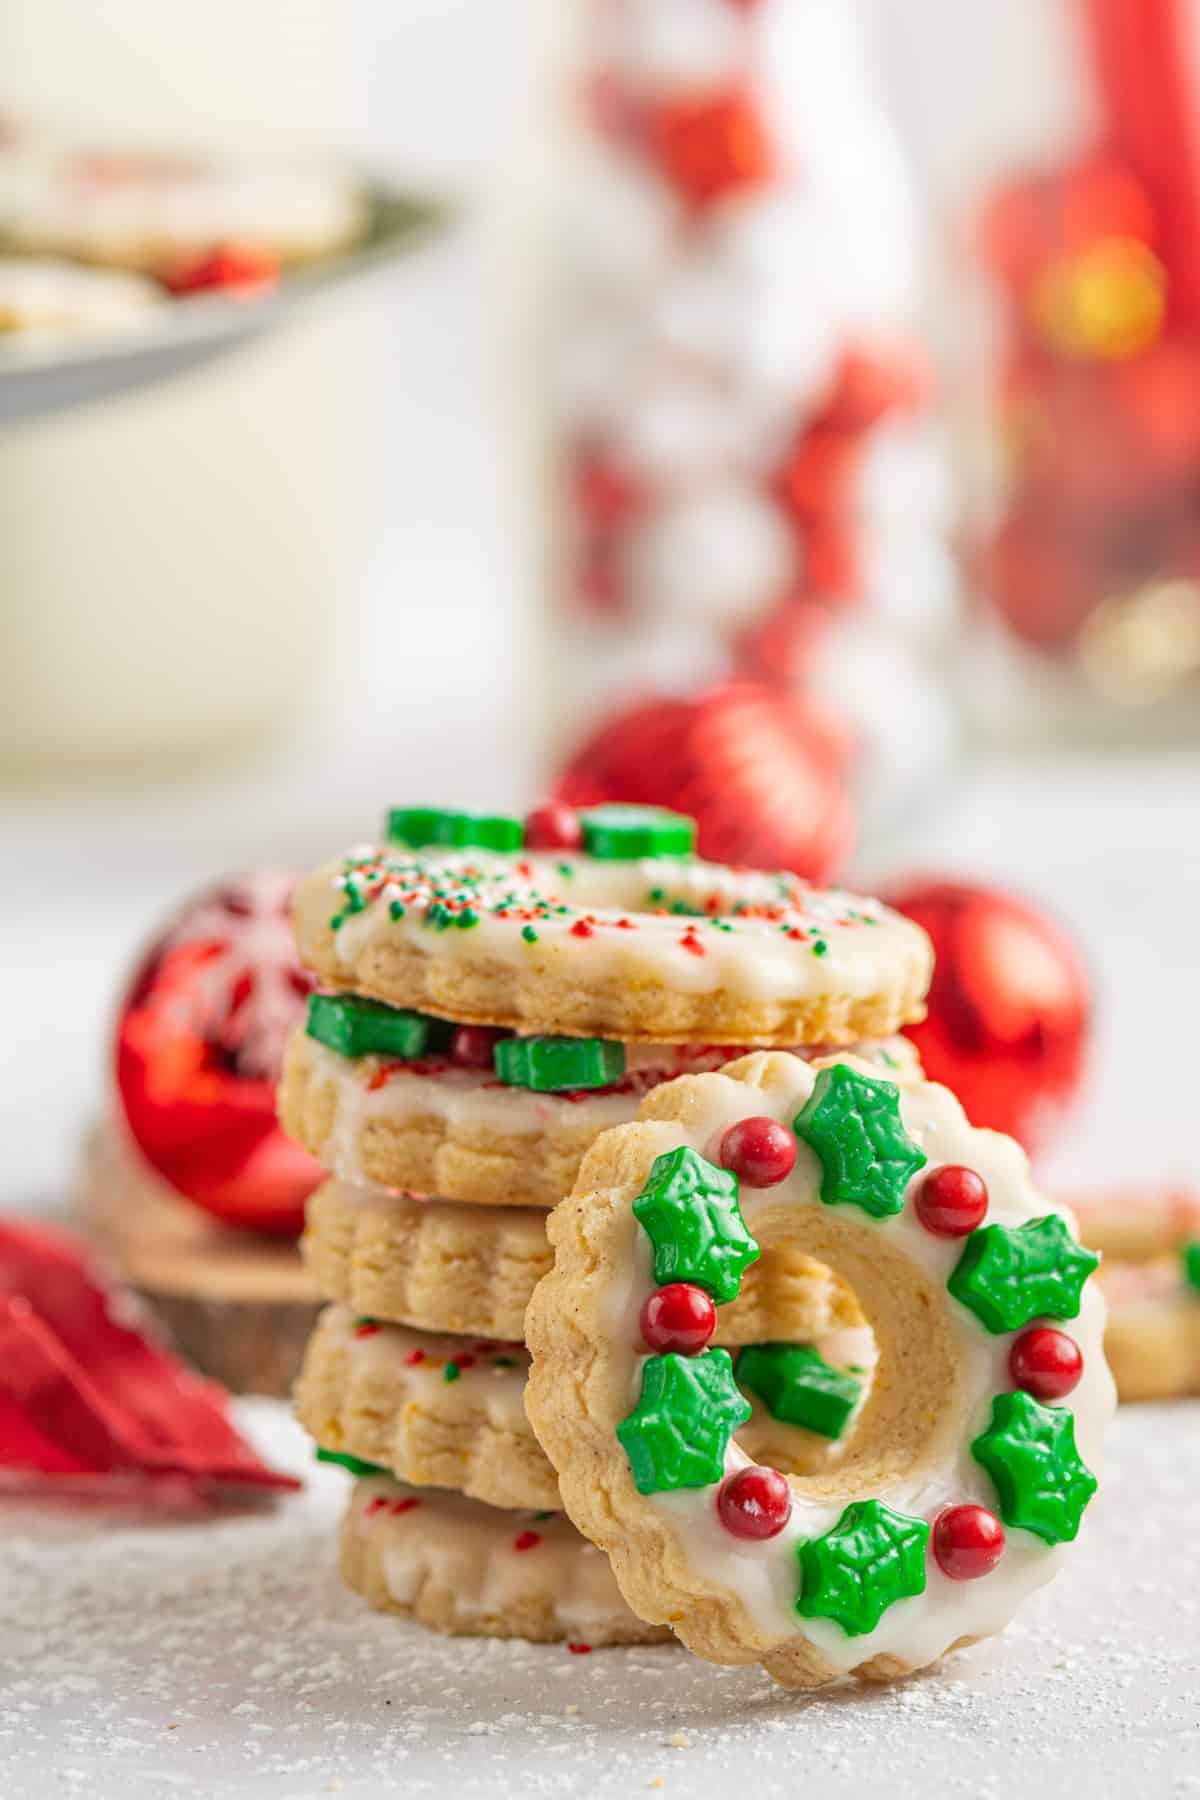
(43, 300)
(474, 1571)
(620, 943)
(450, 1411)
(433, 1126)
(1150, 1277)
(459, 1268)
(961, 1485)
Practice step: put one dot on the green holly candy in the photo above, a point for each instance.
(1190, 1258)
(678, 1433)
(355, 1464)
(852, 1122)
(872, 1558)
(799, 1387)
(417, 827)
(1043, 1484)
(689, 1210)
(356, 1027)
(555, 1065)
(1008, 1276)
(626, 833)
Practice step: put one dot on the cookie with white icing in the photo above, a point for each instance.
(468, 1570)
(43, 300)
(450, 1411)
(442, 1266)
(433, 1124)
(1150, 1278)
(631, 937)
(971, 1465)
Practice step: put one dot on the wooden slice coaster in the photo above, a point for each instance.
(238, 1306)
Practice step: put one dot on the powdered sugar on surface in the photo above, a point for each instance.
(216, 1655)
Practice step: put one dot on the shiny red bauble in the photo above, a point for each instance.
(1046, 1363)
(968, 1541)
(472, 1045)
(952, 1201)
(760, 1152)
(754, 1503)
(553, 827)
(679, 1317)
(199, 1044)
(1009, 1007)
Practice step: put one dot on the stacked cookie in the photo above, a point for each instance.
(494, 996)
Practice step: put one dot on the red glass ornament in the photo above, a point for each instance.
(952, 1201)
(763, 774)
(679, 1317)
(553, 827)
(199, 1045)
(756, 1502)
(239, 267)
(472, 1045)
(968, 1541)
(1046, 1363)
(1009, 1007)
(759, 1151)
(709, 145)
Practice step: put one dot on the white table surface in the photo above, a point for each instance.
(220, 1657)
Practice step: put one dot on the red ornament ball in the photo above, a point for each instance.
(754, 1503)
(952, 1201)
(472, 1045)
(968, 1541)
(763, 774)
(1046, 1363)
(760, 1151)
(553, 827)
(1009, 1008)
(679, 1317)
(199, 1045)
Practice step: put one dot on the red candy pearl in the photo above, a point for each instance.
(951, 1201)
(754, 1503)
(1046, 1363)
(553, 827)
(678, 1317)
(968, 1541)
(760, 1152)
(472, 1045)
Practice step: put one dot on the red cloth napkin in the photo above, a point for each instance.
(83, 1390)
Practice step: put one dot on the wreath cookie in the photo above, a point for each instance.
(1151, 1280)
(972, 1461)
(447, 1267)
(468, 1570)
(458, 1114)
(449, 1412)
(604, 923)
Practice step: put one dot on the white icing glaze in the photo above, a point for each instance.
(867, 947)
(416, 1361)
(467, 1548)
(764, 1574)
(474, 1098)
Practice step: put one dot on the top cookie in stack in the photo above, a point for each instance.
(494, 995)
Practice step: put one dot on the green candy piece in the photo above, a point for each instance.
(625, 833)
(1008, 1276)
(689, 1210)
(355, 1464)
(355, 1027)
(417, 827)
(554, 1065)
(678, 1433)
(1029, 1451)
(1190, 1258)
(798, 1386)
(872, 1558)
(852, 1122)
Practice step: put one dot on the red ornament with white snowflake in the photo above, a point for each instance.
(199, 1045)
(1008, 1021)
